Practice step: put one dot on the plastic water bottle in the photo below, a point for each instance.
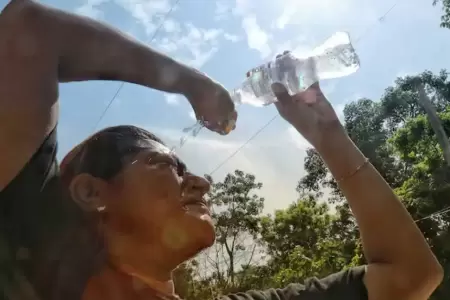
(334, 58)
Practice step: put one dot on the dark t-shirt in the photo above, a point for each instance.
(48, 249)
(345, 285)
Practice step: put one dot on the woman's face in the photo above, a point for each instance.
(156, 200)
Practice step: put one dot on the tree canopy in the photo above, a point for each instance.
(317, 235)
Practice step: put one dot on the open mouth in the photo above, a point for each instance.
(196, 204)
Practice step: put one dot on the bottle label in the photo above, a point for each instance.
(259, 78)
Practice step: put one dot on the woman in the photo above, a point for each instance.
(48, 249)
(152, 214)
(123, 211)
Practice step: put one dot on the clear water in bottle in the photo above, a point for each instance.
(334, 58)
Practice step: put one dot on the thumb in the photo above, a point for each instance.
(281, 92)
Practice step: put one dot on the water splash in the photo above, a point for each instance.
(188, 132)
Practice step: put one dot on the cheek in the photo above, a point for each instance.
(151, 195)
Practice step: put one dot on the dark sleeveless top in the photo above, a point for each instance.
(48, 250)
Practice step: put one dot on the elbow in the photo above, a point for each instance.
(435, 275)
(423, 280)
(433, 272)
(428, 283)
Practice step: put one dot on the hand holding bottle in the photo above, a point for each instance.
(309, 112)
(212, 104)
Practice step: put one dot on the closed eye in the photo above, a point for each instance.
(168, 160)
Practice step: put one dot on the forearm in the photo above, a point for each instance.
(389, 234)
(90, 50)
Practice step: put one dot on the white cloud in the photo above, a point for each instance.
(195, 46)
(242, 7)
(231, 37)
(171, 26)
(300, 45)
(172, 99)
(257, 38)
(295, 12)
(167, 45)
(147, 13)
(222, 10)
(211, 34)
(185, 41)
(340, 111)
(289, 10)
(307, 16)
(297, 139)
(201, 57)
(91, 9)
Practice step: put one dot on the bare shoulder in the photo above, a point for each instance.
(28, 87)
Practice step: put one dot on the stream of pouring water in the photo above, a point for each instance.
(191, 131)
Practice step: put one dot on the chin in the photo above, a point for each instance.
(190, 240)
(193, 232)
(210, 235)
(205, 233)
(201, 238)
(200, 225)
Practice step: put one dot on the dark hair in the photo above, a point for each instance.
(104, 154)
(81, 252)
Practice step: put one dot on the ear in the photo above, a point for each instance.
(88, 192)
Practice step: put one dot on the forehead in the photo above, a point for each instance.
(152, 145)
(120, 147)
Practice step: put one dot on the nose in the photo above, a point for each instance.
(193, 184)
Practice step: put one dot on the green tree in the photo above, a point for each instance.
(401, 102)
(396, 135)
(445, 18)
(306, 239)
(364, 122)
(427, 190)
(370, 124)
(313, 237)
(236, 213)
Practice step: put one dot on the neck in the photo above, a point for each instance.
(145, 264)
(163, 287)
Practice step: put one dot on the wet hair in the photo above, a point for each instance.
(82, 252)
(105, 153)
(66, 243)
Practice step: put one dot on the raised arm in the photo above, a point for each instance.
(401, 265)
(400, 262)
(93, 50)
(41, 46)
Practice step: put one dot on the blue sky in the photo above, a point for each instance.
(225, 38)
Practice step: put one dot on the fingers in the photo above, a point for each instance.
(281, 93)
(230, 124)
(279, 89)
(222, 127)
(284, 53)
